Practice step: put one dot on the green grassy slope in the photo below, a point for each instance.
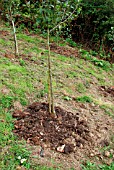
(24, 80)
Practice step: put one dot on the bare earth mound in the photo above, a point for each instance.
(37, 126)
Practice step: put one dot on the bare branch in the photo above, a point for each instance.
(64, 20)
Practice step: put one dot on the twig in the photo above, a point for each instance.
(63, 21)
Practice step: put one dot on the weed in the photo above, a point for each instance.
(15, 156)
(35, 49)
(72, 74)
(21, 155)
(6, 101)
(93, 53)
(43, 91)
(92, 166)
(62, 58)
(87, 84)
(23, 101)
(67, 98)
(84, 99)
(6, 127)
(43, 168)
(11, 149)
(62, 44)
(100, 63)
(25, 37)
(44, 34)
(71, 42)
(89, 166)
(108, 110)
(55, 39)
(106, 167)
(22, 62)
(85, 54)
(3, 42)
(21, 27)
(81, 88)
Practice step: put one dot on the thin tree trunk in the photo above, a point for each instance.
(50, 88)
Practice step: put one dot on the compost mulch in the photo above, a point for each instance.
(63, 132)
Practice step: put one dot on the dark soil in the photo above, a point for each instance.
(4, 33)
(107, 91)
(67, 51)
(38, 127)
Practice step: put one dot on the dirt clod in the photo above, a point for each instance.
(107, 153)
(107, 90)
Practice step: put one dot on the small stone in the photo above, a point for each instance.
(16, 127)
(2, 120)
(42, 152)
(92, 155)
(61, 148)
(101, 157)
(111, 151)
(68, 148)
(17, 105)
(109, 161)
(81, 146)
(18, 168)
(99, 135)
(41, 133)
(28, 140)
(91, 134)
(26, 113)
(107, 153)
(45, 145)
(92, 104)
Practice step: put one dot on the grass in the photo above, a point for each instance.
(67, 98)
(10, 147)
(4, 42)
(97, 62)
(108, 109)
(80, 87)
(44, 168)
(71, 42)
(72, 74)
(84, 99)
(92, 166)
(6, 101)
(16, 78)
(27, 38)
